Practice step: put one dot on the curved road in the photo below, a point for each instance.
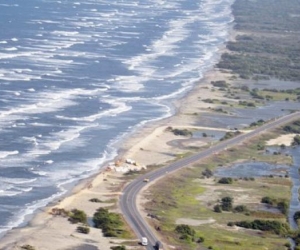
(128, 198)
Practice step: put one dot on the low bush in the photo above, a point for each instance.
(226, 203)
(207, 173)
(83, 229)
(186, 232)
(240, 209)
(265, 225)
(95, 200)
(110, 223)
(27, 247)
(226, 180)
(77, 216)
(118, 248)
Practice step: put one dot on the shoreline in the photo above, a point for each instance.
(42, 219)
(147, 145)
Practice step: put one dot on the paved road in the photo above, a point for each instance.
(130, 192)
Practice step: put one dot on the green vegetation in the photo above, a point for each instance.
(229, 135)
(226, 203)
(293, 127)
(118, 248)
(296, 140)
(186, 232)
(258, 123)
(77, 216)
(27, 247)
(110, 223)
(265, 225)
(260, 146)
(219, 84)
(240, 209)
(209, 100)
(83, 229)
(187, 194)
(281, 95)
(281, 205)
(256, 54)
(247, 104)
(225, 180)
(207, 173)
(96, 200)
(180, 132)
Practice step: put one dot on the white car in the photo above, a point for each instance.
(144, 241)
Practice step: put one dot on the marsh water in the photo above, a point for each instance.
(263, 169)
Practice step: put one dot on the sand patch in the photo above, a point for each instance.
(282, 139)
(194, 222)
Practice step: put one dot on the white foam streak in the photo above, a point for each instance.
(4, 154)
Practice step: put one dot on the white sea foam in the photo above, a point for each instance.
(117, 107)
(4, 154)
(11, 49)
(29, 209)
(55, 101)
(16, 180)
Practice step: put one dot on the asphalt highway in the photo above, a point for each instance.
(129, 195)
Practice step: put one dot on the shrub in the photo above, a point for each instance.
(220, 84)
(27, 247)
(95, 200)
(229, 135)
(283, 207)
(83, 229)
(77, 216)
(217, 209)
(110, 223)
(182, 132)
(296, 140)
(185, 229)
(265, 225)
(207, 173)
(267, 200)
(226, 203)
(118, 248)
(226, 180)
(240, 209)
(200, 240)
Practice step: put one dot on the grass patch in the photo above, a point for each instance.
(188, 194)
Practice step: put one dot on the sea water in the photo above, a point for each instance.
(76, 77)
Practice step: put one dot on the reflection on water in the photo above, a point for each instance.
(253, 169)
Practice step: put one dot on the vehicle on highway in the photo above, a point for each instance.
(146, 180)
(144, 241)
(158, 245)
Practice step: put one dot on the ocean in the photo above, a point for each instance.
(77, 77)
